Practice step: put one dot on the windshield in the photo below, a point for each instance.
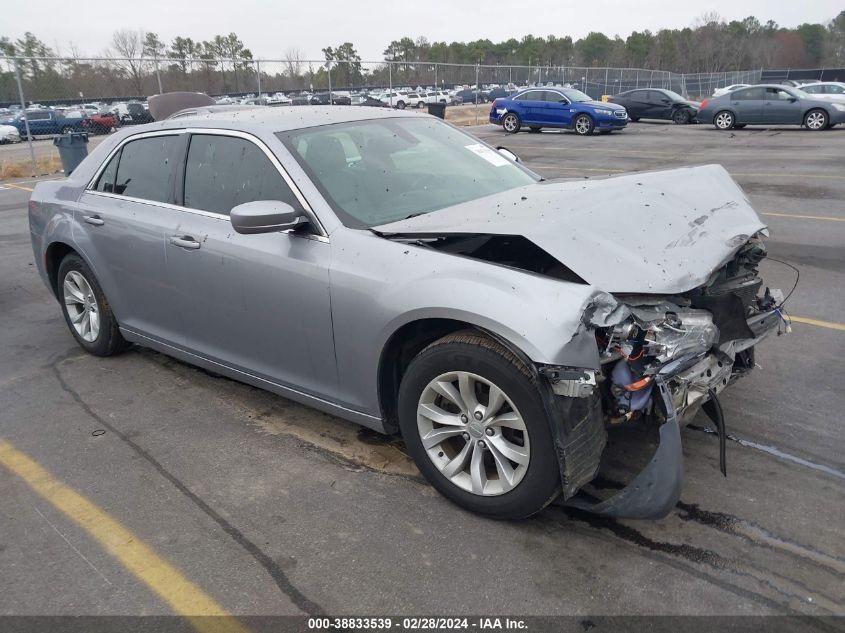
(674, 96)
(378, 171)
(576, 96)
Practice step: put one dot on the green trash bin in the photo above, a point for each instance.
(437, 109)
(73, 148)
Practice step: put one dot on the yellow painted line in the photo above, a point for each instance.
(17, 187)
(808, 321)
(185, 598)
(802, 217)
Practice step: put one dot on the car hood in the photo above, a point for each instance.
(602, 104)
(653, 233)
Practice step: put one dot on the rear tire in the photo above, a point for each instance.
(469, 462)
(511, 123)
(583, 125)
(816, 120)
(83, 302)
(400, 105)
(724, 120)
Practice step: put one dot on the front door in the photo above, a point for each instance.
(780, 107)
(259, 303)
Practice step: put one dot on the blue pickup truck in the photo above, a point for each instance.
(45, 122)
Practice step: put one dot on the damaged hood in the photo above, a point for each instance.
(657, 232)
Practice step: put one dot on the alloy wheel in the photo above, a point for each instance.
(816, 120)
(582, 125)
(473, 433)
(509, 123)
(724, 120)
(81, 305)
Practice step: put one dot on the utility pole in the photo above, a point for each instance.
(25, 117)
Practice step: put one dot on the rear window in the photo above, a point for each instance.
(147, 168)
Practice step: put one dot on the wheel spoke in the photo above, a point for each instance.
(458, 463)
(85, 326)
(503, 467)
(73, 290)
(448, 391)
(438, 415)
(510, 419)
(78, 316)
(95, 323)
(495, 402)
(467, 386)
(436, 436)
(508, 449)
(476, 469)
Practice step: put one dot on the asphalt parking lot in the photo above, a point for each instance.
(266, 507)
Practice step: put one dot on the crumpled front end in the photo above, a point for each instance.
(665, 357)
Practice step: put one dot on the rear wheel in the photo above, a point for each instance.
(724, 120)
(86, 309)
(583, 124)
(400, 105)
(472, 419)
(680, 116)
(511, 123)
(420, 105)
(816, 120)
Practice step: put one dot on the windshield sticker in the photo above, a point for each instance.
(491, 156)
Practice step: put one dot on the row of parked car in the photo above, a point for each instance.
(815, 106)
(93, 118)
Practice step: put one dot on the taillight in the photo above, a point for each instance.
(703, 103)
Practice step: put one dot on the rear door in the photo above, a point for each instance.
(638, 104)
(532, 105)
(258, 303)
(120, 224)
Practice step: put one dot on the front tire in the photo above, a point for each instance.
(400, 105)
(583, 125)
(724, 120)
(472, 418)
(511, 123)
(86, 310)
(680, 116)
(816, 120)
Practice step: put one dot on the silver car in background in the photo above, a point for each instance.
(393, 270)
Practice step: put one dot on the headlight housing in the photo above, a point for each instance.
(604, 112)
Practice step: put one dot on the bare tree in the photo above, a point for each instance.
(293, 62)
(129, 46)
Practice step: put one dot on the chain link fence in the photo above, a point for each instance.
(113, 86)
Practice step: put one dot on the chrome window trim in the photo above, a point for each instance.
(309, 211)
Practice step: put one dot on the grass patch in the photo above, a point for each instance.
(44, 166)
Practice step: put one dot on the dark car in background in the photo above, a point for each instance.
(771, 104)
(656, 103)
(322, 98)
(472, 96)
(537, 108)
(499, 93)
(136, 114)
(45, 122)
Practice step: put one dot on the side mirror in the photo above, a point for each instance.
(793, 99)
(265, 216)
(504, 151)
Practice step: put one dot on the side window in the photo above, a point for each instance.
(147, 168)
(552, 96)
(777, 94)
(813, 90)
(749, 94)
(640, 95)
(225, 171)
(533, 95)
(105, 182)
(655, 96)
(834, 90)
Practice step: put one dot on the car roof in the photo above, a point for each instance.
(270, 120)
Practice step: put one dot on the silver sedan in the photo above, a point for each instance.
(395, 271)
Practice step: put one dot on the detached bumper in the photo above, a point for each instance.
(611, 123)
(683, 386)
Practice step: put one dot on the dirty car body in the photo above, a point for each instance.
(392, 270)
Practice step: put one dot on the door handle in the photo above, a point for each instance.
(184, 241)
(94, 220)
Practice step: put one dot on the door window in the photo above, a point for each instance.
(147, 167)
(533, 95)
(777, 94)
(749, 94)
(105, 182)
(834, 90)
(813, 90)
(554, 97)
(225, 171)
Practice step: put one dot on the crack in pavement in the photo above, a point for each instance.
(299, 599)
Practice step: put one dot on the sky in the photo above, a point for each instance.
(270, 28)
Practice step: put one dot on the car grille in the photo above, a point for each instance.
(620, 114)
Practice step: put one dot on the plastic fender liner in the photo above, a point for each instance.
(657, 488)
